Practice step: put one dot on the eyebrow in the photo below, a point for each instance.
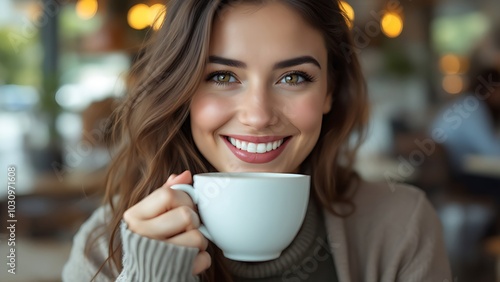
(297, 61)
(280, 65)
(227, 62)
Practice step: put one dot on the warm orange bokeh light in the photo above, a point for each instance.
(349, 11)
(453, 84)
(157, 14)
(391, 24)
(86, 9)
(139, 16)
(449, 64)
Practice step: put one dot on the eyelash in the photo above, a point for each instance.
(213, 74)
(307, 78)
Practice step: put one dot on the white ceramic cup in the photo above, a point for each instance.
(250, 216)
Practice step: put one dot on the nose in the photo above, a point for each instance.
(258, 109)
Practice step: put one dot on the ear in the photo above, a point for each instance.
(327, 106)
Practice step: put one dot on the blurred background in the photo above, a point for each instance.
(432, 74)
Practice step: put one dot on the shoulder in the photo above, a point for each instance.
(95, 232)
(370, 195)
(393, 234)
(399, 221)
(95, 225)
(404, 231)
(398, 206)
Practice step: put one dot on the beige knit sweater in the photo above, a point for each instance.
(393, 235)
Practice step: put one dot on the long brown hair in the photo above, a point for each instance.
(152, 129)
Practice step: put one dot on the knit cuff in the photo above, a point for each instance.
(146, 259)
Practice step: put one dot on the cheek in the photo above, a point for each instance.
(306, 114)
(207, 113)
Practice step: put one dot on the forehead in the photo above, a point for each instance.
(258, 31)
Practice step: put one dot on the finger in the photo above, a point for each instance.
(161, 200)
(201, 262)
(157, 203)
(183, 178)
(192, 238)
(167, 225)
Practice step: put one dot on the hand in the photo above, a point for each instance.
(169, 215)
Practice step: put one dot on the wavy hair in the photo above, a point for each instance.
(151, 128)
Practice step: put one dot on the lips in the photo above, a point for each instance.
(256, 149)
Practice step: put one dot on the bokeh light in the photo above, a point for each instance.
(139, 16)
(157, 14)
(349, 11)
(86, 9)
(391, 24)
(449, 64)
(453, 84)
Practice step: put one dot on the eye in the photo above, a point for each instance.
(292, 79)
(295, 78)
(222, 78)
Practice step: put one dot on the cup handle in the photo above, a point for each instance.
(194, 194)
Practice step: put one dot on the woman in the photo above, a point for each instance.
(219, 79)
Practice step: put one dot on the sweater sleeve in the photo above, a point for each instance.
(89, 251)
(146, 259)
(424, 256)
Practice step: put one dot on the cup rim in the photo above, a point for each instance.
(252, 175)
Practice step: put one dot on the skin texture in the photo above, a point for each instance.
(259, 100)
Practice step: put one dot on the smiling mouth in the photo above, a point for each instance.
(259, 148)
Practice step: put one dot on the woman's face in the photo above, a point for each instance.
(264, 91)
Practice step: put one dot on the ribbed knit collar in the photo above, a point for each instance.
(292, 255)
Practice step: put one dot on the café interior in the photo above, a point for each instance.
(63, 63)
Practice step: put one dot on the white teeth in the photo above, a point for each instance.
(261, 148)
(275, 145)
(252, 147)
(269, 146)
(255, 147)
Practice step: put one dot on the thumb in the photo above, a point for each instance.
(183, 178)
